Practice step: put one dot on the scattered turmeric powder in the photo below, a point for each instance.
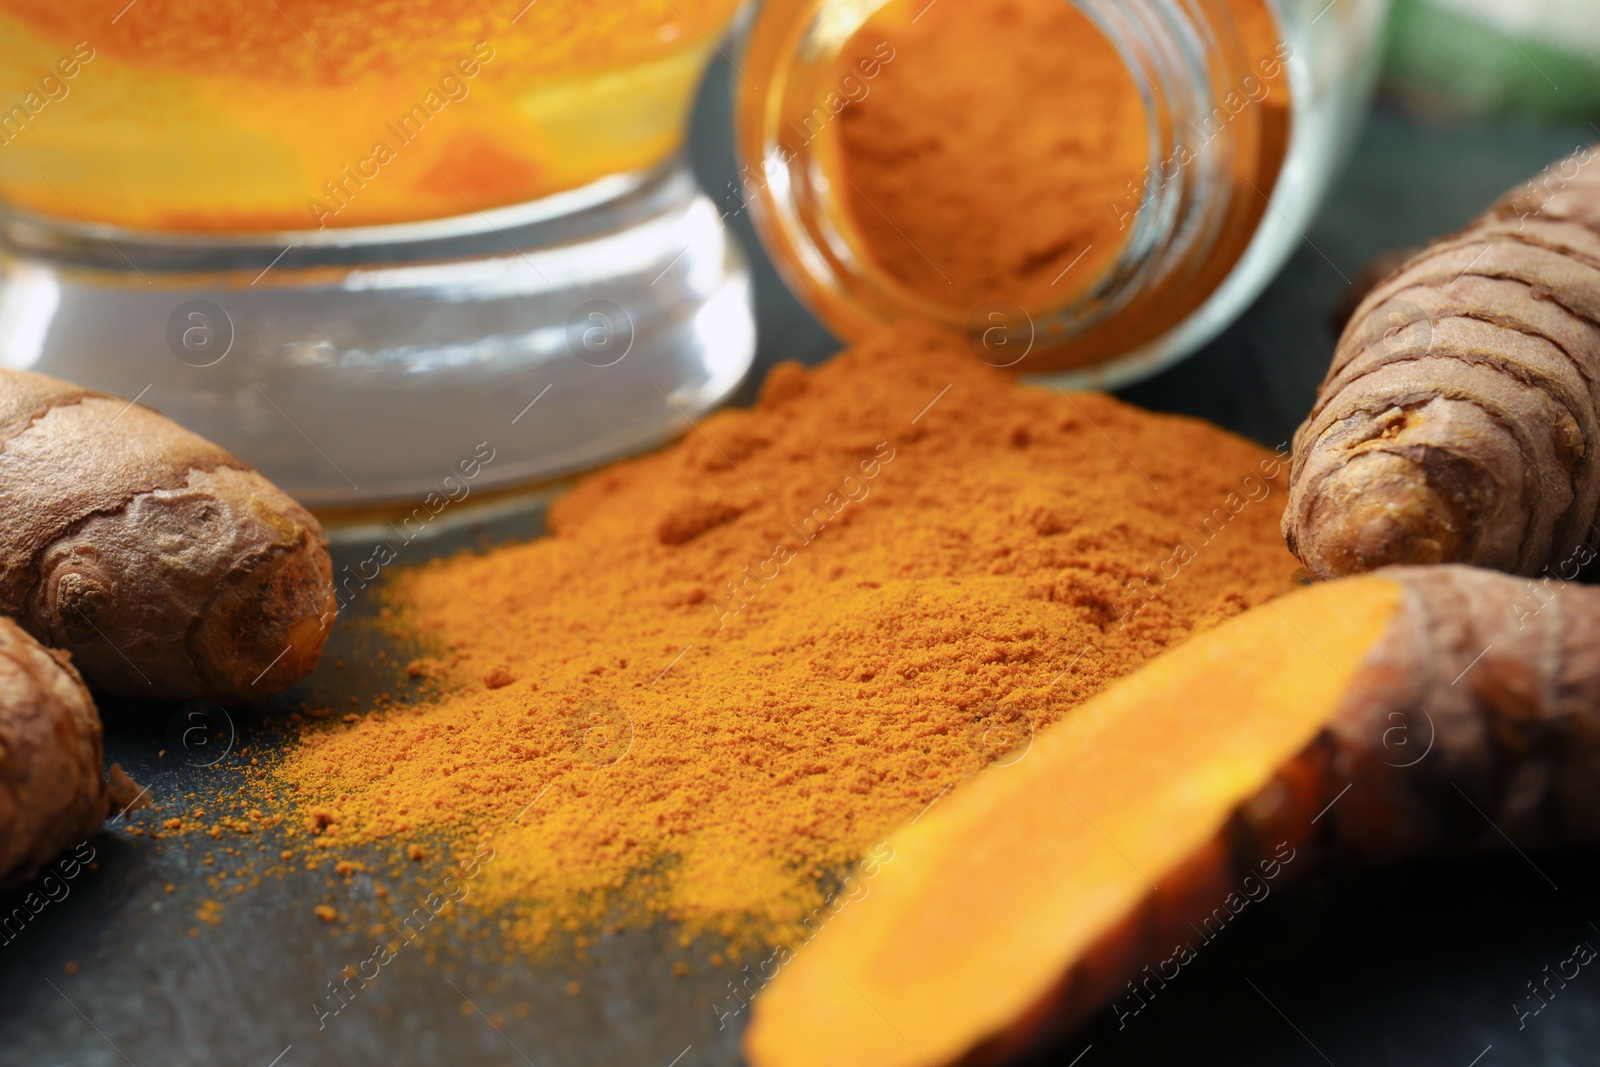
(740, 661)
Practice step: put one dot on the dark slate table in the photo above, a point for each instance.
(1414, 966)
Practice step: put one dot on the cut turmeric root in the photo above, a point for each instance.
(1376, 717)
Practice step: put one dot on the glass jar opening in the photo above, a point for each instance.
(1062, 181)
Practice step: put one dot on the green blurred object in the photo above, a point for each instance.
(1496, 57)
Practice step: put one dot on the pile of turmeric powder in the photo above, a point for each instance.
(737, 663)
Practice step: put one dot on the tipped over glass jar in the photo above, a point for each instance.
(1091, 191)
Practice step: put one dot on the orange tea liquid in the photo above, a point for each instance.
(216, 115)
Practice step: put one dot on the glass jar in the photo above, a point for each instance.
(353, 241)
(1089, 191)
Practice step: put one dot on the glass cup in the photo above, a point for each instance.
(361, 244)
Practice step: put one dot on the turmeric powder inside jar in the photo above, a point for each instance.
(737, 663)
(989, 153)
(1002, 154)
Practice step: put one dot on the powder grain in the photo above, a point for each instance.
(739, 662)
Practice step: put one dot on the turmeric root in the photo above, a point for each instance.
(169, 569)
(1460, 420)
(51, 790)
(1374, 717)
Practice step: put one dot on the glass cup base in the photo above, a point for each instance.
(380, 365)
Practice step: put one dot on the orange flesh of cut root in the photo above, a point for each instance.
(1001, 888)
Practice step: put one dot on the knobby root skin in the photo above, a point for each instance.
(1460, 420)
(1368, 719)
(169, 569)
(52, 794)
